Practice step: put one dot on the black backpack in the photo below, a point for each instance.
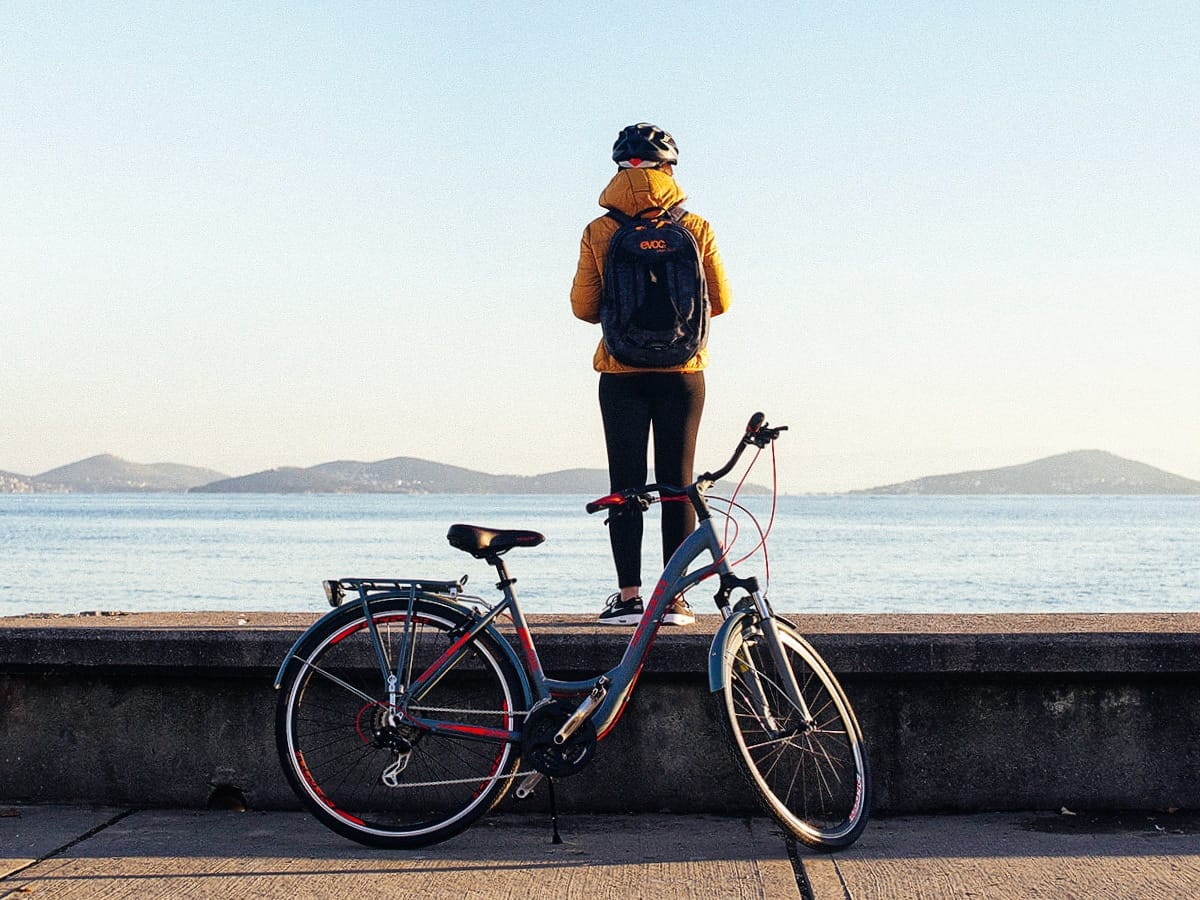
(654, 307)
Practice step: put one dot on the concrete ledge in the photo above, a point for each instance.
(962, 713)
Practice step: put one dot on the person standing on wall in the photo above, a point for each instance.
(650, 274)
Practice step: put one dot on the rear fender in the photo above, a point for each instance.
(453, 611)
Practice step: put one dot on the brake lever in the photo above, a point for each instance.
(632, 499)
(642, 502)
(764, 435)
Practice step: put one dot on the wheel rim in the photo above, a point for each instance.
(340, 745)
(811, 774)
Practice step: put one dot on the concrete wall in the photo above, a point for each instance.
(960, 713)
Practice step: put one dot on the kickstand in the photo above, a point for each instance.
(553, 813)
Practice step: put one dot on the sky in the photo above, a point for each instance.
(249, 235)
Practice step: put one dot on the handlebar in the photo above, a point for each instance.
(758, 433)
(643, 496)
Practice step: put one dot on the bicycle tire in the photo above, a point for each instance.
(336, 747)
(812, 779)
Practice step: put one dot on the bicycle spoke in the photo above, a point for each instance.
(335, 712)
(810, 772)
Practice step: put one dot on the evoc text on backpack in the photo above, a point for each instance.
(654, 306)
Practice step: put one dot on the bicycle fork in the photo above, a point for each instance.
(767, 627)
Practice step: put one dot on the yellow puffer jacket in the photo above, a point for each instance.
(630, 192)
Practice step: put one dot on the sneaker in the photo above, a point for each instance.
(619, 612)
(679, 613)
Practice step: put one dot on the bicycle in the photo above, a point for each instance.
(404, 714)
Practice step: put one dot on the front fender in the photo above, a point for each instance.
(718, 649)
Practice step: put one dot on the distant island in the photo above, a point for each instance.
(106, 474)
(401, 475)
(1078, 472)
(406, 475)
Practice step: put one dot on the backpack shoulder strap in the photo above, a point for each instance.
(620, 217)
(675, 213)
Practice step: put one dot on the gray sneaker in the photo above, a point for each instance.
(619, 612)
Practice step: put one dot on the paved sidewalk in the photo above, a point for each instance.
(1016, 856)
(76, 852)
(187, 853)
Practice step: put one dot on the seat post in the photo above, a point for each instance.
(505, 581)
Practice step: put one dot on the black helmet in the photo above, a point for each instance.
(646, 143)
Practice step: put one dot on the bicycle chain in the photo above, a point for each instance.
(476, 780)
(459, 709)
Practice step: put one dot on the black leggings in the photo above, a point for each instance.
(671, 403)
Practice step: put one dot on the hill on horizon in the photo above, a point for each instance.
(400, 475)
(110, 474)
(409, 475)
(1076, 472)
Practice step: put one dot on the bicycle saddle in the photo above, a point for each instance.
(483, 542)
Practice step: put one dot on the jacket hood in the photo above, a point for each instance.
(633, 190)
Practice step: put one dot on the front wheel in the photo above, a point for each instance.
(352, 757)
(807, 762)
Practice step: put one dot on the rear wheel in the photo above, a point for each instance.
(358, 765)
(809, 771)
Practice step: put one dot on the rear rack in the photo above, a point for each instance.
(335, 588)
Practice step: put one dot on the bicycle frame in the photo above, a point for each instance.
(618, 682)
(609, 692)
(414, 684)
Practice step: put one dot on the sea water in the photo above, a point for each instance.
(840, 554)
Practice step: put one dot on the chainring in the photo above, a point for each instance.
(557, 760)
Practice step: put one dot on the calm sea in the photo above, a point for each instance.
(139, 552)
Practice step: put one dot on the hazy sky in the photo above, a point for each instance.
(255, 234)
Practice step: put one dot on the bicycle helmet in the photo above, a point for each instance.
(644, 146)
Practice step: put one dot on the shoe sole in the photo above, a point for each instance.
(674, 618)
(631, 619)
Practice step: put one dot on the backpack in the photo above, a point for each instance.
(654, 306)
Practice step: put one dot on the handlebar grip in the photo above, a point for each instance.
(755, 423)
(606, 502)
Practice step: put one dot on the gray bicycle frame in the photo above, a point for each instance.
(617, 683)
(609, 691)
(675, 579)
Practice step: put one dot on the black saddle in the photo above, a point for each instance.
(484, 542)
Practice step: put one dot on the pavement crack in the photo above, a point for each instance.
(842, 880)
(58, 851)
(802, 882)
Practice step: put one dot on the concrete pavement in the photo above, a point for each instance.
(1015, 856)
(77, 852)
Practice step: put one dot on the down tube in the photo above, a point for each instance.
(675, 579)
